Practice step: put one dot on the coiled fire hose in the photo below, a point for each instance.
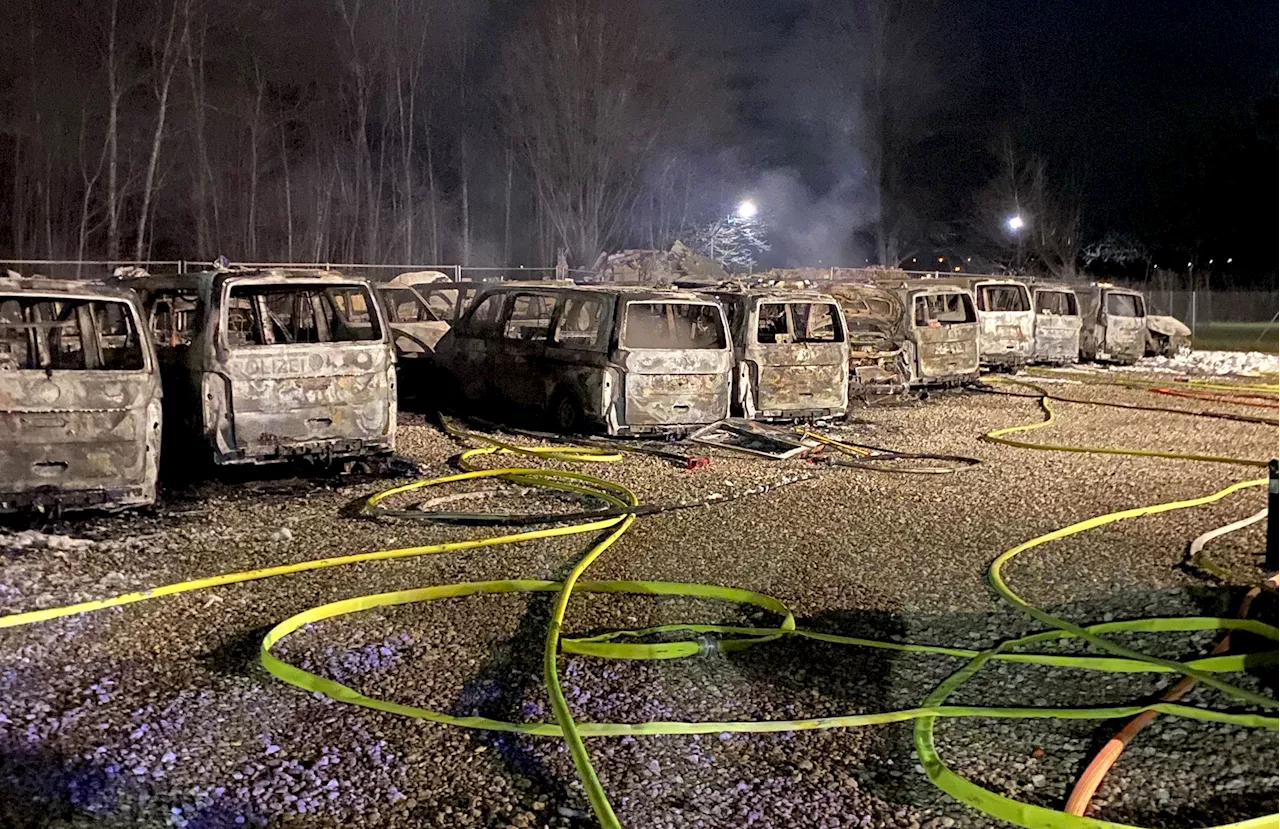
(1093, 775)
(618, 644)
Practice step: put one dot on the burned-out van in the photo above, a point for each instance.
(1058, 323)
(875, 328)
(622, 359)
(940, 333)
(271, 365)
(791, 353)
(80, 410)
(1115, 324)
(1006, 320)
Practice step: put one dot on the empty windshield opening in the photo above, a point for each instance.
(1057, 303)
(934, 310)
(1123, 305)
(798, 322)
(674, 325)
(1003, 298)
(57, 334)
(292, 314)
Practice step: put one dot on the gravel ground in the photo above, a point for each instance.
(157, 714)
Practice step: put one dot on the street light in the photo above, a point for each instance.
(747, 209)
(1015, 223)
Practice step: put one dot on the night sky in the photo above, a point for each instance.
(1162, 114)
(1155, 122)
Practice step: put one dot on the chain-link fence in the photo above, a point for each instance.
(98, 268)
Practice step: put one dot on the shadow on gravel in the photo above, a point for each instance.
(39, 788)
(1211, 811)
(498, 690)
(848, 679)
(238, 655)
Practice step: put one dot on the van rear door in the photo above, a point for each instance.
(1124, 325)
(799, 358)
(1058, 324)
(79, 401)
(1007, 322)
(945, 330)
(308, 370)
(676, 363)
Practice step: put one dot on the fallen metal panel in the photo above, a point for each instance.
(741, 435)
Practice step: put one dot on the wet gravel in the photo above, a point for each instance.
(157, 714)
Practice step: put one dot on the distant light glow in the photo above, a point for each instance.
(1188, 264)
(747, 209)
(1015, 223)
(957, 269)
(939, 258)
(1228, 260)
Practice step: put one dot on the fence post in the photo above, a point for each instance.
(1193, 314)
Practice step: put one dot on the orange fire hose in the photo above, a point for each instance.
(1261, 400)
(1091, 779)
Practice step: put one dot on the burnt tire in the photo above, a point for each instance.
(566, 413)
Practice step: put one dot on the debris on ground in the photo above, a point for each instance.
(1217, 363)
(739, 435)
(680, 263)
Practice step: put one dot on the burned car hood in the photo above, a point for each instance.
(1169, 326)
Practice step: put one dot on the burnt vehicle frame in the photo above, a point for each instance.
(1058, 323)
(791, 352)
(619, 359)
(939, 333)
(80, 397)
(266, 366)
(873, 318)
(1114, 323)
(1006, 319)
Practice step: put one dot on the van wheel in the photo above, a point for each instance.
(566, 413)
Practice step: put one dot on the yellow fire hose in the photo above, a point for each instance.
(615, 645)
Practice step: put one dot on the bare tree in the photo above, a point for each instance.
(587, 97)
(114, 93)
(1029, 221)
(166, 54)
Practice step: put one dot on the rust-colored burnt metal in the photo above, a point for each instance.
(874, 319)
(266, 366)
(80, 416)
(620, 359)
